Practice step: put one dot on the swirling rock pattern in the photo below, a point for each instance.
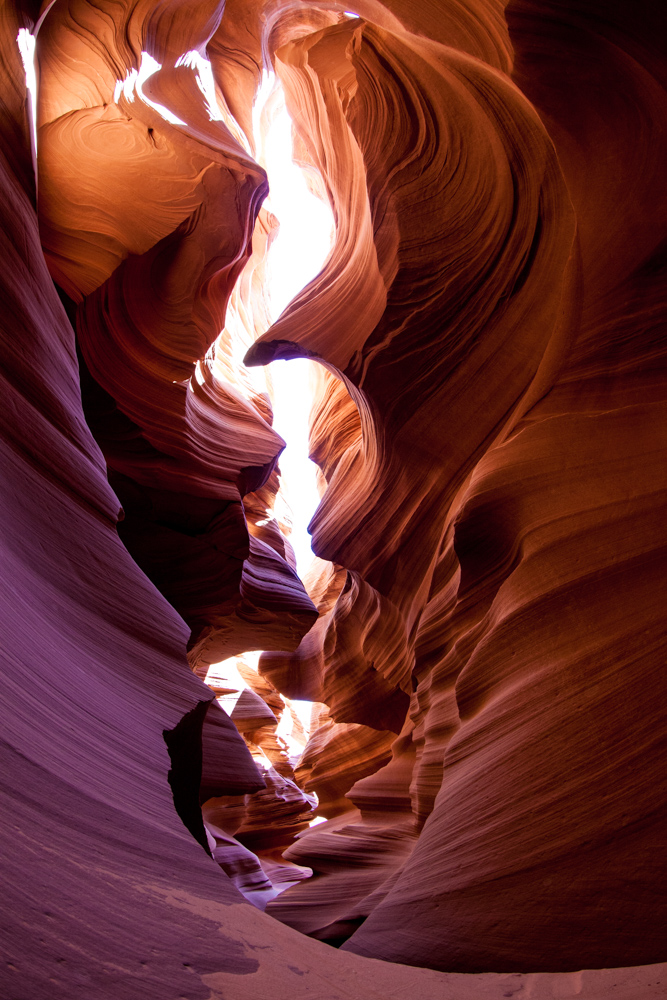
(491, 535)
(500, 497)
(184, 435)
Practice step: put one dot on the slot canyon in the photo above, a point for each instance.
(431, 764)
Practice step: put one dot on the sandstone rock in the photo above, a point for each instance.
(491, 533)
(489, 585)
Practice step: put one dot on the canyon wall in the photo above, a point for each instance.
(484, 626)
(499, 512)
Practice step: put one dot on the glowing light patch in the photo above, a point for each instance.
(226, 681)
(303, 710)
(292, 402)
(297, 255)
(133, 84)
(26, 44)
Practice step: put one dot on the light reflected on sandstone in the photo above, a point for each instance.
(133, 85)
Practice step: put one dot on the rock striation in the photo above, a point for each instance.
(499, 497)
(483, 628)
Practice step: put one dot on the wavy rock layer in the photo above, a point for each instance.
(492, 531)
(499, 511)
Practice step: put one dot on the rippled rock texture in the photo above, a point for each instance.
(496, 307)
(484, 627)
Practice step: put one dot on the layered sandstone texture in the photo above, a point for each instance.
(497, 302)
(482, 632)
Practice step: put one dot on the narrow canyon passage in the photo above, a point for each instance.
(232, 768)
(248, 834)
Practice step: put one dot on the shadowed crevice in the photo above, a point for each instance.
(184, 743)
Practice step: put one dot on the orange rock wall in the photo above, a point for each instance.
(501, 507)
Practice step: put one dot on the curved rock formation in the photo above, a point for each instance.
(490, 537)
(485, 625)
